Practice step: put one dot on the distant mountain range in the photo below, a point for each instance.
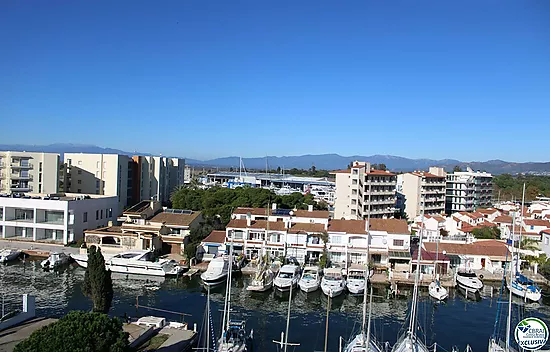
(321, 161)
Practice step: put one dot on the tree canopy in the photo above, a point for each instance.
(486, 232)
(97, 283)
(511, 187)
(76, 332)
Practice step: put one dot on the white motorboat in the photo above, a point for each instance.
(262, 281)
(437, 291)
(468, 280)
(55, 260)
(356, 280)
(311, 279)
(140, 262)
(7, 255)
(216, 272)
(333, 283)
(287, 276)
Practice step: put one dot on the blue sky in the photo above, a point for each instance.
(468, 79)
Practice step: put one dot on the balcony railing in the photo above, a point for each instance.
(20, 177)
(20, 188)
(21, 166)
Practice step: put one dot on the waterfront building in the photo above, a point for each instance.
(361, 184)
(103, 174)
(213, 244)
(56, 218)
(468, 191)
(302, 234)
(23, 172)
(545, 241)
(422, 192)
(531, 228)
(490, 255)
(147, 225)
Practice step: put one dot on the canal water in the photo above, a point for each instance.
(457, 322)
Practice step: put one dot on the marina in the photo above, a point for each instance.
(58, 292)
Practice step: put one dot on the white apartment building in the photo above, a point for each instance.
(22, 172)
(60, 218)
(159, 176)
(468, 190)
(422, 191)
(102, 174)
(362, 189)
(187, 174)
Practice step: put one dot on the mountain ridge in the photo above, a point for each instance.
(328, 161)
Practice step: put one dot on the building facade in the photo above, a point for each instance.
(468, 190)
(102, 174)
(60, 218)
(361, 189)
(422, 191)
(158, 177)
(22, 172)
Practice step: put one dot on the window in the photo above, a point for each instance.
(353, 182)
(69, 162)
(97, 214)
(24, 214)
(377, 258)
(79, 172)
(110, 212)
(354, 191)
(546, 240)
(39, 177)
(98, 164)
(101, 214)
(85, 216)
(336, 239)
(80, 162)
(355, 171)
(532, 227)
(39, 188)
(97, 184)
(398, 243)
(97, 174)
(40, 167)
(79, 181)
(79, 191)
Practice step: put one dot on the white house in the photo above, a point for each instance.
(533, 227)
(545, 243)
(59, 218)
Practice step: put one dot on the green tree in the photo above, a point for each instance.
(97, 283)
(486, 233)
(323, 261)
(78, 331)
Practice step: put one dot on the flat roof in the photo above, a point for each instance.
(56, 196)
(276, 177)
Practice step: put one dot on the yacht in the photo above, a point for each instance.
(7, 255)
(311, 279)
(216, 272)
(525, 288)
(468, 280)
(55, 260)
(437, 291)
(135, 262)
(263, 279)
(333, 283)
(287, 276)
(356, 280)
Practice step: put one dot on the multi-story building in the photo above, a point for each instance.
(22, 172)
(301, 234)
(361, 189)
(147, 225)
(468, 190)
(58, 218)
(187, 174)
(103, 174)
(422, 191)
(158, 176)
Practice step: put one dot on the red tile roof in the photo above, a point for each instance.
(536, 222)
(487, 211)
(491, 248)
(395, 226)
(430, 256)
(341, 171)
(379, 173)
(301, 213)
(215, 237)
(427, 174)
(547, 231)
(257, 224)
(176, 219)
(307, 227)
(504, 219)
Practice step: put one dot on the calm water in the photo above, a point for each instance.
(455, 323)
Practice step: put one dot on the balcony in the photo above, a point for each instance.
(21, 177)
(20, 188)
(21, 165)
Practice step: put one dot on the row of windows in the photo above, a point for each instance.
(99, 214)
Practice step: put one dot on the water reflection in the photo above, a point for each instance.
(458, 321)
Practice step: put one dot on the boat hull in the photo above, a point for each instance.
(438, 292)
(523, 292)
(259, 288)
(213, 280)
(356, 288)
(469, 283)
(308, 287)
(357, 345)
(332, 291)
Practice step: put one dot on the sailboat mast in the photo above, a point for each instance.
(509, 319)
(417, 276)
(436, 258)
(208, 319)
(367, 272)
(367, 342)
(288, 316)
(229, 285)
(521, 227)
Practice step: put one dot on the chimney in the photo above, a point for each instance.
(248, 219)
(274, 206)
(310, 207)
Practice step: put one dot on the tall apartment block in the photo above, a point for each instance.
(103, 174)
(468, 190)
(358, 186)
(422, 190)
(22, 172)
(157, 177)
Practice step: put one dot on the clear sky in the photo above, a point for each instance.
(465, 79)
